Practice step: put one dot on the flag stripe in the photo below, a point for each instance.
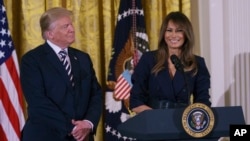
(120, 85)
(122, 88)
(8, 131)
(11, 64)
(124, 91)
(2, 135)
(14, 74)
(12, 83)
(11, 99)
(7, 105)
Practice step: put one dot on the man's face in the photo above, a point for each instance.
(62, 32)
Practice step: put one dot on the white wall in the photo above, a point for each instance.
(223, 29)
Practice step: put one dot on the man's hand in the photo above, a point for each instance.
(81, 130)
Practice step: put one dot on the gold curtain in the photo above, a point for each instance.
(94, 24)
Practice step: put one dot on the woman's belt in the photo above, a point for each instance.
(165, 104)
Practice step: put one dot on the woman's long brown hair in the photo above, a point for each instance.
(187, 57)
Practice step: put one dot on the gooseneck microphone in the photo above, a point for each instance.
(179, 66)
(177, 63)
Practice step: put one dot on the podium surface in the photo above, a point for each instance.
(166, 124)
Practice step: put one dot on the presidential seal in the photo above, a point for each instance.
(198, 120)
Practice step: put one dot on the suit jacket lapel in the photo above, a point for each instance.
(166, 85)
(56, 63)
(171, 87)
(178, 83)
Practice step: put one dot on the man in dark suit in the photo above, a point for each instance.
(63, 104)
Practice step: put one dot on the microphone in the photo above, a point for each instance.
(177, 63)
(179, 66)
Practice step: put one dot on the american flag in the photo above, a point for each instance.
(123, 86)
(130, 42)
(11, 100)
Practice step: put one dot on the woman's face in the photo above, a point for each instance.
(174, 36)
